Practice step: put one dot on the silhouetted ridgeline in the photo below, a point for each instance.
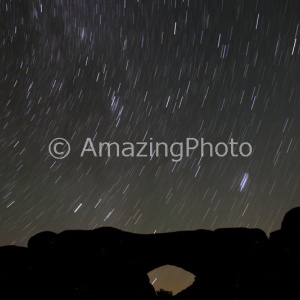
(230, 263)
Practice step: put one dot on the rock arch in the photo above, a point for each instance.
(109, 262)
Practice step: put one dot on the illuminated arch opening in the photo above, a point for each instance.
(171, 278)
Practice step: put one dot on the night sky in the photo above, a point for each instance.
(134, 71)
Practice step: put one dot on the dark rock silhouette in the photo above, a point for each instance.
(228, 263)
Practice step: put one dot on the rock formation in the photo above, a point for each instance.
(228, 263)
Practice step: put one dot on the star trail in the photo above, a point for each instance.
(131, 71)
